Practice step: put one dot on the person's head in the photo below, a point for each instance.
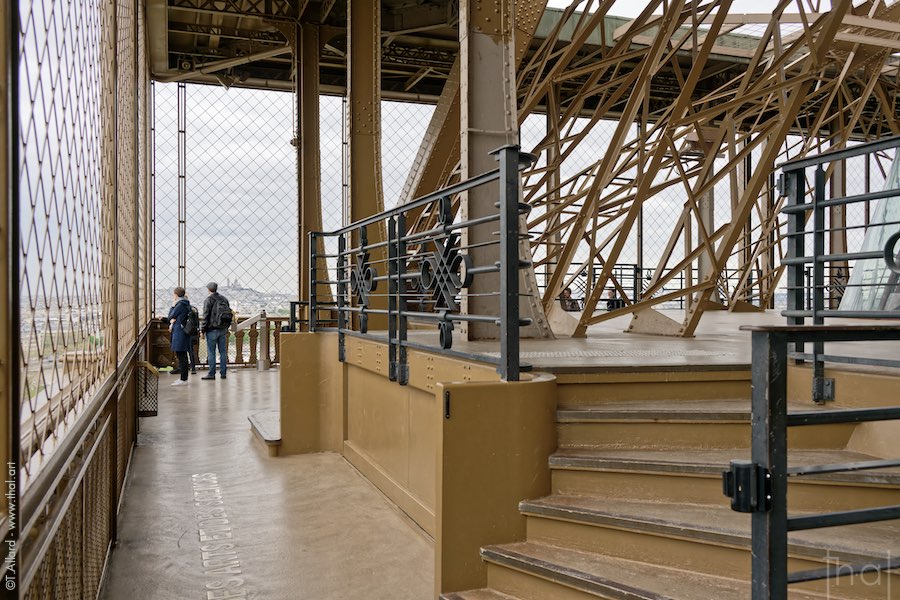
(611, 294)
(213, 287)
(179, 293)
(567, 293)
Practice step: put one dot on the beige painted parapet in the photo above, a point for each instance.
(459, 478)
(312, 405)
(495, 442)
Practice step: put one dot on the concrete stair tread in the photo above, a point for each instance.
(479, 594)
(713, 461)
(608, 577)
(659, 410)
(267, 426)
(735, 409)
(715, 524)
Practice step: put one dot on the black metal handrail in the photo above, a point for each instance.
(427, 273)
(760, 486)
(807, 289)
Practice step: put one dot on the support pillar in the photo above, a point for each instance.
(306, 70)
(364, 100)
(488, 120)
(364, 119)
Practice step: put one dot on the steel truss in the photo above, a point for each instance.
(701, 96)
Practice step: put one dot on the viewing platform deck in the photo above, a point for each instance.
(206, 511)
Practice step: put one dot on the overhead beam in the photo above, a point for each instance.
(273, 10)
(226, 64)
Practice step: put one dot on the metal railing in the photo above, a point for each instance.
(760, 486)
(800, 258)
(427, 274)
(247, 346)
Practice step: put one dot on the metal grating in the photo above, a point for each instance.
(59, 576)
(98, 514)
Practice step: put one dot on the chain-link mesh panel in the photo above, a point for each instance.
(403, 126)
(125, 149)
(66, 193)
(165, 195)
(143, 246)
(332, 153)
(240, 194)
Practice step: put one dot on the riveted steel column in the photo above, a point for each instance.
(488, 120)
(364, 116)
(306, 69)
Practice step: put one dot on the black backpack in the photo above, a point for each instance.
(191, 322)
(220, 315)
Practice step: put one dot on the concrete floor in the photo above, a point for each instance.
(301, 527)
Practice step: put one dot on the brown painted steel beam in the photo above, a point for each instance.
(307, 142)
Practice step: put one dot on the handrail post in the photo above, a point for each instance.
(313, 260)
(769, 451)
(341, 293)
(263, 362)
(818, 391)
(794, 182)
(509, 262)
(393, 290)
(402, 367)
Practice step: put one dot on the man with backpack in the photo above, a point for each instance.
(217, 318)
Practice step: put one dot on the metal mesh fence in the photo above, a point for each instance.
(67, 189)
(403, 126)
(81, 253)
(240, 196)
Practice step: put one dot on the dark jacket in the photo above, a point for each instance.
(207, 312)
(180, 341)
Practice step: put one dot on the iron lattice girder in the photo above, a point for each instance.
(251, 35)
(274, 10)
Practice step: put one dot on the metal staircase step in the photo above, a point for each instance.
(480, 594)
(736, 410)
(694, 524)
(714, 461)
(535, 571)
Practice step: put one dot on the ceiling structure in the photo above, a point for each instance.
(701, 82)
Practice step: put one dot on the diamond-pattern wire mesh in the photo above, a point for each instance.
(125, 149)
(143, 264)
(241, 196)
(403, 126)
(67, 188)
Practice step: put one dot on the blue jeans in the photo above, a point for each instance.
(217, 338)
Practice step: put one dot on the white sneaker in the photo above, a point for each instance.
(180, 382)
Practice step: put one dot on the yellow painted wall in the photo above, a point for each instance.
(461, 478)
(496, 440)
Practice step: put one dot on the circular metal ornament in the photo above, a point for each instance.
(890, 256)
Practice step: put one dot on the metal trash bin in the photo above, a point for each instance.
(148, 389)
